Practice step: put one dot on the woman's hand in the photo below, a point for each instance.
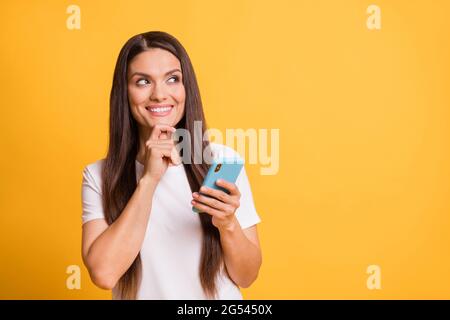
(160, 151)
(220, 205)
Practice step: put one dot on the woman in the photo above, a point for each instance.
(140, 236)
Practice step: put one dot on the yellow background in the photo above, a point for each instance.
(364, 135)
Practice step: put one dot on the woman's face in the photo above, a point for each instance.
(155, 89)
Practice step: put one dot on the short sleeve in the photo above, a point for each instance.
(246, 213)
(91, 198)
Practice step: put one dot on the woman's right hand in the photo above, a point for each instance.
(160, 152)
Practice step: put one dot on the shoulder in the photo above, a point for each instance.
(92, 173)
(95, 168)
(223, 151)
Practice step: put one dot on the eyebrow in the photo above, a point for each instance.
(148, 76)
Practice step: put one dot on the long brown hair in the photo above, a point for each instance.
(119, 170)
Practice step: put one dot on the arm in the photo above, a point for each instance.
(108, 251)
(242, 253)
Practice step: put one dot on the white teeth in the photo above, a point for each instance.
(163, 109)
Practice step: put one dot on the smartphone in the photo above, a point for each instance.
(227, 169)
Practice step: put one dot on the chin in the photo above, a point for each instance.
(162, 121)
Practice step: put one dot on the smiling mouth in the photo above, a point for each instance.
(159, 110)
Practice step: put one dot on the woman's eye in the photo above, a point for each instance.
(175, 78)
(142, 82)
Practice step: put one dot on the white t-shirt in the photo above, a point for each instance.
(171, 249)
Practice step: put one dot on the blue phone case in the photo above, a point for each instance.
(227, 169)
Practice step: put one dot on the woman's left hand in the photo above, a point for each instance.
(220, 205)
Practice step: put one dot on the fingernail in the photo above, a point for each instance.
(195, 194)
(219, 180)
(203, 189)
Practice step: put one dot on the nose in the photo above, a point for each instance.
(158, 93)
